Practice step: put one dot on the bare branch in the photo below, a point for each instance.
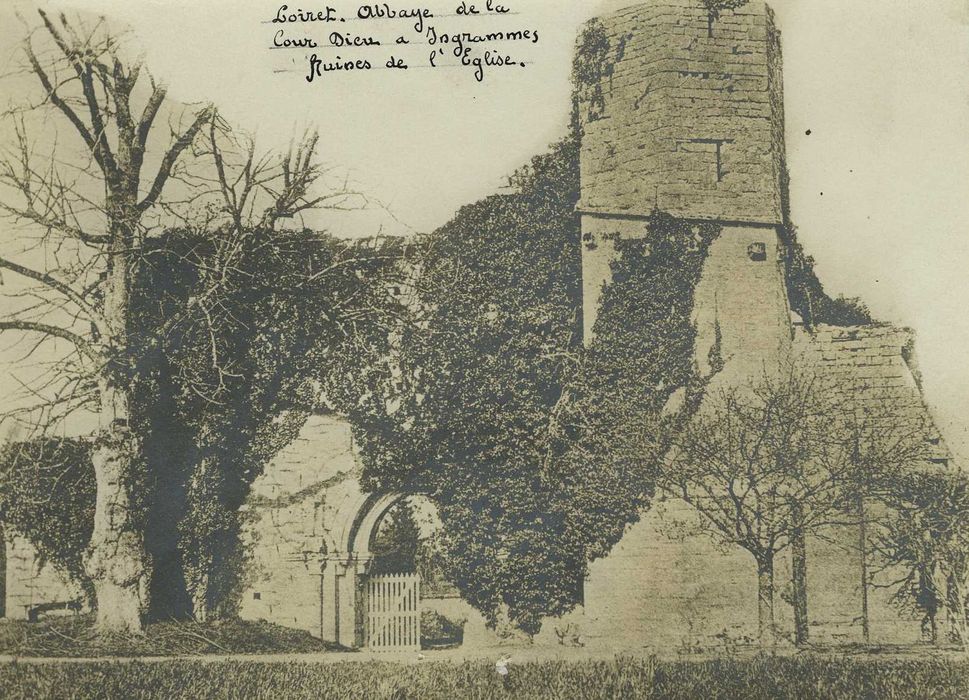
(54, 331)
(150, 112)
(174, 151)
(96, 137)
(50, 281)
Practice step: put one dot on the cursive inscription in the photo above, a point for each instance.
(480, 37)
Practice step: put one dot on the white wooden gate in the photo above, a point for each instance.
(394, 612)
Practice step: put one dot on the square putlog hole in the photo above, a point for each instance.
(757, 252)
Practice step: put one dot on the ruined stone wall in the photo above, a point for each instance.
(741, 303)
(291, 513)
(687, 116)
(667, 585)
(864, 366)
(30, 583)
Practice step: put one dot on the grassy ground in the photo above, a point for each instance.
(827, 678)
(74, 636)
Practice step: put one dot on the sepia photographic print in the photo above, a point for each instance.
(484, 349)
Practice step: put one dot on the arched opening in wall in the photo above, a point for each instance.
(406, 598)
(3, 576)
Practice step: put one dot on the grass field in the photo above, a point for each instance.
(74, 635)
(762, 677)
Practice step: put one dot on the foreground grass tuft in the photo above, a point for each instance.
(766, 677)
(75, 636)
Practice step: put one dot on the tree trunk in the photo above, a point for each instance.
(799, 581)
(116, 561)
(200, 594)
(958, 618)
(3, 574)
(765, 599)
(863, 565)
(198, 538)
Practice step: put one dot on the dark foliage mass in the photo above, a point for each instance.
(590, 65)
(251, 325)
(481, 372)
(532, 449)
(397, 542)
(234, 379)
(638, 382)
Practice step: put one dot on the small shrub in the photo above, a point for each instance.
(439, 631)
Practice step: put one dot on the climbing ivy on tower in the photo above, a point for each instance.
(537, 452)
(638, 382)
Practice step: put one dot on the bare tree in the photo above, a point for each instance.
(766, 465)
(924, 535)
(99, 178)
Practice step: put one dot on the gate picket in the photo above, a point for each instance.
(394, 613)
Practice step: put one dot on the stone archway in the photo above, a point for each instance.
(347, 564)
(308, 535)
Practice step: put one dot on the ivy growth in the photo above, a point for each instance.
(233, 383)
(47, 495)
(624, 412)
(589, 66)
(807, 296)
(481, 374)
(537, 452)
(715, 7)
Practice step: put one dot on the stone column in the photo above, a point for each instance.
(346, 599)
(362, 570)
(333, 599)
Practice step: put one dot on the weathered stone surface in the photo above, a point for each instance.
(30, 583)
(668, 85)
(690, 118)
(876, 366)
(293, 510)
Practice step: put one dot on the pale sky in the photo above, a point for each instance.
(883, 86)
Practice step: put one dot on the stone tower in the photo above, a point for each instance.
(684, 112)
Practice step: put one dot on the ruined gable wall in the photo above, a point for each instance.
(665, 584)
(865, 365)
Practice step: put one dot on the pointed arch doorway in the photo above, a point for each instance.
(363, 605)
